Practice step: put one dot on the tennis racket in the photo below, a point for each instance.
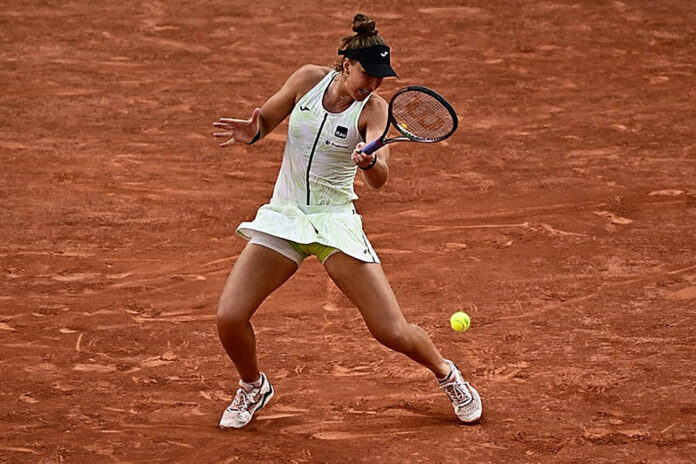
(420, 115)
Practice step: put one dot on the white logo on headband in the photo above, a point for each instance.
(383, 54)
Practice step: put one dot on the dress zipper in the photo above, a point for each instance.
(311, 154)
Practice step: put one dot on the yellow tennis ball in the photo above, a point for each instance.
(404, 125)
(460, 321)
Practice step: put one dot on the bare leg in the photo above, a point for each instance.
(368, 288)
(256, 274)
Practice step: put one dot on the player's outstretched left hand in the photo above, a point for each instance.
(238, 130)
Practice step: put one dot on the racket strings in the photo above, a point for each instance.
(421, 116)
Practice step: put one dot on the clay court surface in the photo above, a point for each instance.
(561, 216)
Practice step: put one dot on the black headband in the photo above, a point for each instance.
(374, 59)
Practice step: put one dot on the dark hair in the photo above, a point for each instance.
(365, 36)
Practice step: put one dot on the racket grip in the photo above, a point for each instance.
(372, 147)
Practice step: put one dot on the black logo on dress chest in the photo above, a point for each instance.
(341, 132)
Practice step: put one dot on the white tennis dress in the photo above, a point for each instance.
(313, 197)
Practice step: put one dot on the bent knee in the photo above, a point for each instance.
(231, 316)
(397, 337)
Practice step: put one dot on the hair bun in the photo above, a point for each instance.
(364, 26)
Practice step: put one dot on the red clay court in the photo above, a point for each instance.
(561, 216)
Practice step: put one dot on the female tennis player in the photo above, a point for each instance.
(332, 113)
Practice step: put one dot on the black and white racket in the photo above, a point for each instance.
(420, 115)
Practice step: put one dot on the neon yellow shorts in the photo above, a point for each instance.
(295, 251)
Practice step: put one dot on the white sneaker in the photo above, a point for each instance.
(465, 399)
(247, 401)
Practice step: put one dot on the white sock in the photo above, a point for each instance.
(447, 377)
(255, 384)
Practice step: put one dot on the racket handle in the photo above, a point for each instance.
(372, 147)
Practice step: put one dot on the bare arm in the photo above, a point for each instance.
(263, 120)
(374, 120)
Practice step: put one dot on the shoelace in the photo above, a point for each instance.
(241, 400)
(458, 393)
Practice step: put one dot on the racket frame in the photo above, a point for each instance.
(406, 136)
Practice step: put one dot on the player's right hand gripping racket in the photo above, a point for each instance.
(420, 115)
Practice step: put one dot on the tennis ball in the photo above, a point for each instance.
(460, 321)
(404, 125)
